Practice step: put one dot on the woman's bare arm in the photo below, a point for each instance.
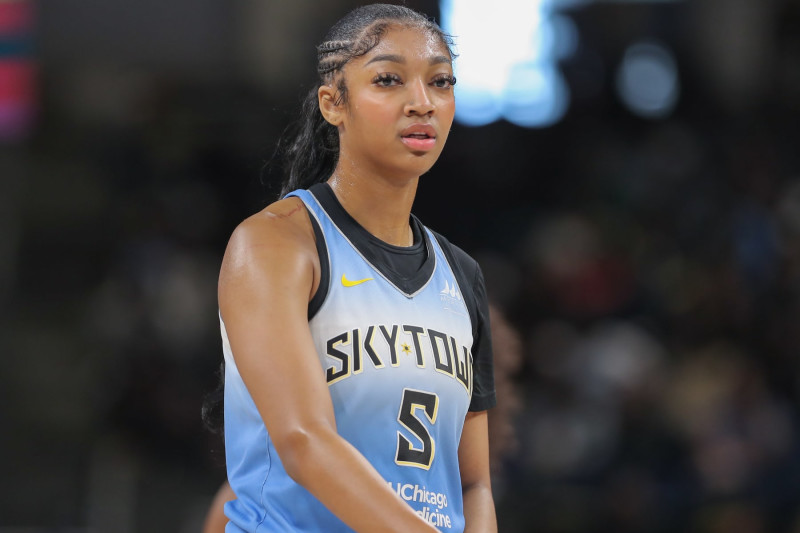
(215, 516)
(267, 277)
(473, 457)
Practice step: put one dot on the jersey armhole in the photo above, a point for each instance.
(317, 300)
(461, 276)
(464, 268)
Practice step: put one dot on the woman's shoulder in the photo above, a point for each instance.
(283, 220)
(282, 229)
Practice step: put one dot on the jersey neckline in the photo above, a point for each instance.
(365, 243)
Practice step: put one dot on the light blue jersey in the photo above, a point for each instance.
(400, 374)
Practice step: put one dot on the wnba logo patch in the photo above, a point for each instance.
(451, 298)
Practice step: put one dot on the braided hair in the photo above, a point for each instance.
(310, 148)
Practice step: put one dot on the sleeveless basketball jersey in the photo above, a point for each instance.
(399, 370)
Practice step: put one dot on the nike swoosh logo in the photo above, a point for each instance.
(347, 283)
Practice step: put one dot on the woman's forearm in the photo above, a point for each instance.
(343, 480)
(479, 512)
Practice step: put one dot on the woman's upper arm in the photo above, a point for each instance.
(473, 450)
(473, 458)
(266, 279)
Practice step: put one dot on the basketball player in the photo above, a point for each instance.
(358, 365)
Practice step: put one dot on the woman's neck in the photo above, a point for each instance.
(381, 206)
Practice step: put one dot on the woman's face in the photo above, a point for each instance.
(399, 105)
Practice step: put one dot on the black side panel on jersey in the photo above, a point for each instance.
(461, 265)
(325, 270)
(470, 279)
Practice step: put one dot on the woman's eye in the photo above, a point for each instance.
(386, 80)
(444, 82)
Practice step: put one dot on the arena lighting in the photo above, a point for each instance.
(647, 80)
(571, 3)
(507, 66)
(507, 60)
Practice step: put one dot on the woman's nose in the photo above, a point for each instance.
(419, 102)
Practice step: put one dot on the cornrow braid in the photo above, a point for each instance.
(331, 64)
(332, 46)
(332, 56)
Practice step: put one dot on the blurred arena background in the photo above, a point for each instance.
(629, 180)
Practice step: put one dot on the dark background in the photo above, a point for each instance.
(650, 266)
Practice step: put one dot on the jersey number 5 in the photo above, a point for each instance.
(407, 453)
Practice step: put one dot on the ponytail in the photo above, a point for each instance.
(310, 149)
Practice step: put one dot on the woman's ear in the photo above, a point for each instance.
(331, 110)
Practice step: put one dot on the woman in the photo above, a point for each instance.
(358, 365)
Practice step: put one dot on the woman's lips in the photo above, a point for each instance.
(419, 137)
(419, 143)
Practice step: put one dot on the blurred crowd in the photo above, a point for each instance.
(644, 274)
(660, 323)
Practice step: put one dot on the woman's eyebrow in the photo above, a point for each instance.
(387, 57)
(394, 58)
